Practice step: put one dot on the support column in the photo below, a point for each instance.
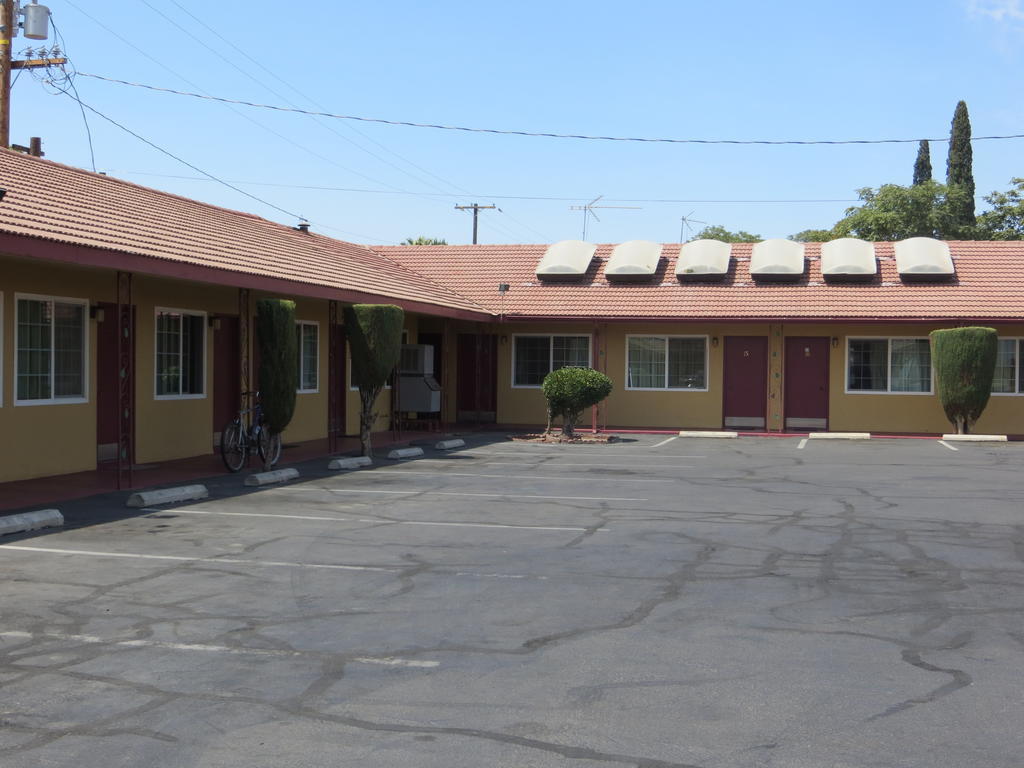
(244, 345)
(334, 387)
(126, 380)
(776, 345)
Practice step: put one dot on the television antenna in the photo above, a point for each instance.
(685, 223)
(588, 211)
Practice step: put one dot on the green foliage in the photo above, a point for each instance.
(279, 361)
(375, 337)
(923, 164)
(423, 241)
(960, 164)
(965, 363)
(814, 236)
(1006, 219)
(570, 390)
(892, 212)
(718, 232)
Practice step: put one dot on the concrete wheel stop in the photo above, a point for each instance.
(30, 521)
(274, 476)
(975, 438)
(350, 462)
(167, 496)
(405, 453)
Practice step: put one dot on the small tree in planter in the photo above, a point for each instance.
(569, 391)
(965, 363)
(279, 371)
(375, 336)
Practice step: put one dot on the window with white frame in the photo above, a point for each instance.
(889, 365)
(666, 362)
(50, 356)
(308, 336)
(534, 357)
(1009, 369)
(180, 353)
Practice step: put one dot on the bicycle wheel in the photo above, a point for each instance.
(269, 446)
(232, 446)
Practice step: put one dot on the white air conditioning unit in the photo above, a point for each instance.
(416, 359)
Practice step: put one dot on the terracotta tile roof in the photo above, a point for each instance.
(989, 284)
(68, 205)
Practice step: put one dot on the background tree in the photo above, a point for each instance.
(893, 212)
(571, 390)
(965, 363)
(423, 241)
(375, 337)
(717, 232)
(1006, 219)
(960, 161)
(923, 164)
(814, 236)
(279, 369)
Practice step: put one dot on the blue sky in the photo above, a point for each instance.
(728, 70)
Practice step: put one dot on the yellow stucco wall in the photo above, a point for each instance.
(43, 440)
(898, 412)
(889, 412)
(676, 409)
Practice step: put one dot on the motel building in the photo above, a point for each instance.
(127, 323)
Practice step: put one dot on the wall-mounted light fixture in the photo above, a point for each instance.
(714, 341)
(96, 313)
(214, 322)
(835, 342)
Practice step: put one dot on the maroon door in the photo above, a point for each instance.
(476, 396)
(227, 371)
(806, 382)
(745, 401)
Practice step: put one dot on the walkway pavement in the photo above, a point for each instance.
(41, 491)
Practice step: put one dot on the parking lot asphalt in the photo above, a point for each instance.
(653, 602)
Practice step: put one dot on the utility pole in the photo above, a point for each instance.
(37, 19)
(476, 212)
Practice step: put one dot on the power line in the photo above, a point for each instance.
(171, 155)
(542, 198)
(539, 134)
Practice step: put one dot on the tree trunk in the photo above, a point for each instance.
(367, 399)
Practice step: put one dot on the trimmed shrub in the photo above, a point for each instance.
(570, 390)
(279, 361)
(965, 363)
(375, 337)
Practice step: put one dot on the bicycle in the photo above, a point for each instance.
(245, 434)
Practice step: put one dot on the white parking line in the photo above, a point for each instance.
(555, 478)
(669, 440)
(216, 560)
(802, 444)
(427, 492)
(951, 447)
(640, 456)
(389, 661)
(370, 520)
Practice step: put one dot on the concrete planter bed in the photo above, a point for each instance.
(558, 437)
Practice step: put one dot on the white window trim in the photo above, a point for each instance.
(195, 313)
(665, 338)
(551, 353)
(1016, 374)
(888, 365)
(316, 389)
(86, 333)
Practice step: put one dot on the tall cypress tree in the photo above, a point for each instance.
(923, 164)
(959, 163)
